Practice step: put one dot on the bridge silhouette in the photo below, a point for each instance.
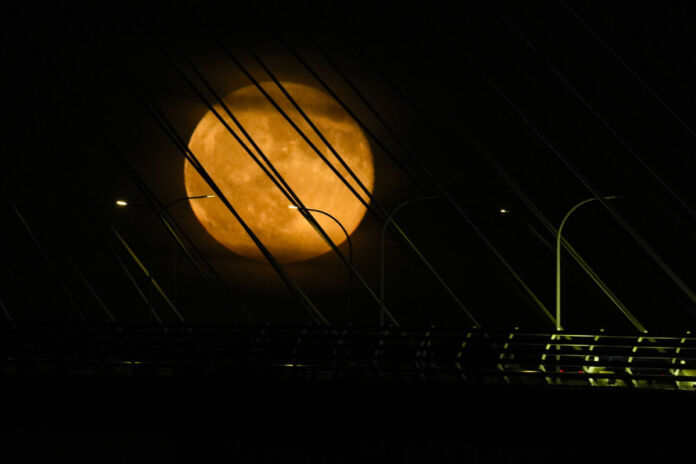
(506, 116)
(334, 354)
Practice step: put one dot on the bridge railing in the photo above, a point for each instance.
(416, 355)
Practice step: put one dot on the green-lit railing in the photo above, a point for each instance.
(472, 356)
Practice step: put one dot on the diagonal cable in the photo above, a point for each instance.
(634, 233)
(604, 122)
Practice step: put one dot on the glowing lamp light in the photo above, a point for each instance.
(121, 203)
(504, 211)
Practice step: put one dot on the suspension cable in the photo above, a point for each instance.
(163, 122)
(583, 179)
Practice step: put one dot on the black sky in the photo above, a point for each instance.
(524, 83)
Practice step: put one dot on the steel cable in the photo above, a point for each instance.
(163, 122)
(583, 179)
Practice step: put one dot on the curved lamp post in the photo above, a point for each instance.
(381, 252)
(350, 251)
(158, 214)
(558, 254)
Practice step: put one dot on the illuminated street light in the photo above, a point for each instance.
(350, 251)
(558, 255)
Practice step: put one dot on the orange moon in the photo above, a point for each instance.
(287, 235)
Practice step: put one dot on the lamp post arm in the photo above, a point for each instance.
(350, 244)
(159, 215)
(567, 216)
(381, 251)
(165, 207)
(558, 254)
(350, 257)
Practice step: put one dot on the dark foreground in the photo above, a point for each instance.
(132, 394)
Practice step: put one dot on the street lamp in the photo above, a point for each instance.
(381, 253)
(558, 254)
(158, 213)
(350, 251)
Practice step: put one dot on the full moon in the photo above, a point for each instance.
(284, 231)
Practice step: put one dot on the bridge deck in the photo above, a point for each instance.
(544, 360)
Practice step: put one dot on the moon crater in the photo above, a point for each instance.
(287, 235)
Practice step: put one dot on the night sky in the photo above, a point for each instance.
(490, 105)
(497, 100)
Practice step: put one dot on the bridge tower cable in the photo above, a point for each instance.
(275, 176)
(679, 199)
(163, 122)
(537, 303)
(484, 153)
(382, 212)
(582, 178)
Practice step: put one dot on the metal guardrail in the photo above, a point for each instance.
(345, 354)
